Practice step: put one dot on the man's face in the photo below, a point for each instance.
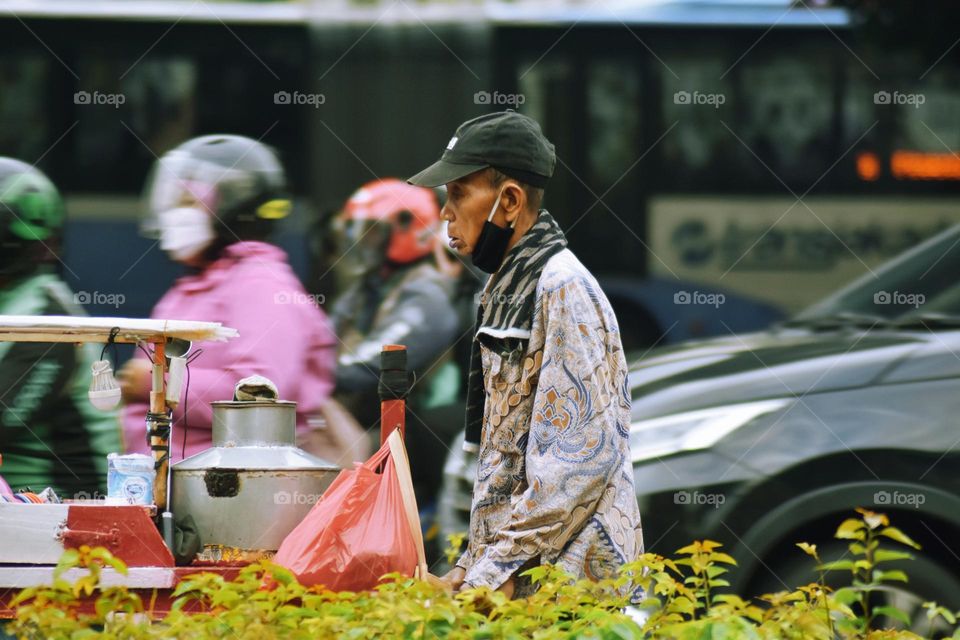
(469, 200)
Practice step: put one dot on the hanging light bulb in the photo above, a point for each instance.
(104, 391)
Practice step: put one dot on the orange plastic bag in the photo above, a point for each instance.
(364, 526)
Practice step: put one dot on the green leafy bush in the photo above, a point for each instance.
(687, 597)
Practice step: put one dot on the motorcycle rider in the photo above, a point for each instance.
(396, 295)
(213, 201)
(50, 434)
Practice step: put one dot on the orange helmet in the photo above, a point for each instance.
(411, 214)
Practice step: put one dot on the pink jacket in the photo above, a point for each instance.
(283, 336)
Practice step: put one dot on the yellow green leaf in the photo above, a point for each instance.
(895, 534)
(850, 529)
(809, 549)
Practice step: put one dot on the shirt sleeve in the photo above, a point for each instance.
(571, 454)
(464, 561)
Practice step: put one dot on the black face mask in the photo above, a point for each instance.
(492, 244)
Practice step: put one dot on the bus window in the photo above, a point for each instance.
(129, 113)
(24, 122)
(787, 117)
(162, 94)
(696, 101)
(615, 171)
(860, 130)
(546, 86)
(613, 121)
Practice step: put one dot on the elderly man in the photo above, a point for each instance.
(548, 405)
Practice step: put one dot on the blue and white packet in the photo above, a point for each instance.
(130, 479)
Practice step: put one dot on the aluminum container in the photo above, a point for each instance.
(253, 486)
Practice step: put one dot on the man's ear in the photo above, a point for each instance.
(514, 201)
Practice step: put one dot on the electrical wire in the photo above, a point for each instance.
(186, 399)
(111, 342)
(145, 352)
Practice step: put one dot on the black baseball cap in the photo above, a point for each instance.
(508, 141)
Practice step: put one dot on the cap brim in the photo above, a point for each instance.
(442, 171)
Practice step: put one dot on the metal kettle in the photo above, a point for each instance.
(253, 486)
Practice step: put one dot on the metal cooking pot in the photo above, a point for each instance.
(253, 486)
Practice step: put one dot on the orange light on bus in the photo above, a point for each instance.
(916, 165)
(868, 166)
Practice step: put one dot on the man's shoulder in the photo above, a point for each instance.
(566, 282)
(564, 270)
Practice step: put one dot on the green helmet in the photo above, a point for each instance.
(30, 205)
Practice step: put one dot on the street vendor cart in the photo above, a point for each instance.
(244, 494)
(34, 536)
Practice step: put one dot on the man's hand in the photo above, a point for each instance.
(507, 588)
(135, 380)
(454, 578)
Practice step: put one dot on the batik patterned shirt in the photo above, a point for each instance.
(554, 480)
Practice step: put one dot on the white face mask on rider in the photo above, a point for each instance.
(185, 232)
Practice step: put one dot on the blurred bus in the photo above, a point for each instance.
(762, 148)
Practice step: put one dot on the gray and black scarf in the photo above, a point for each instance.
(505, 313)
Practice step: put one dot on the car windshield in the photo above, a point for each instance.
(917, 288)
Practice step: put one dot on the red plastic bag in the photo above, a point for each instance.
(364, 526)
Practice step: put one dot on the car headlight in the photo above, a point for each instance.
(694, 430)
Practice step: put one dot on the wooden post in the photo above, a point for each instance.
(393, 410)
(158, 405)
